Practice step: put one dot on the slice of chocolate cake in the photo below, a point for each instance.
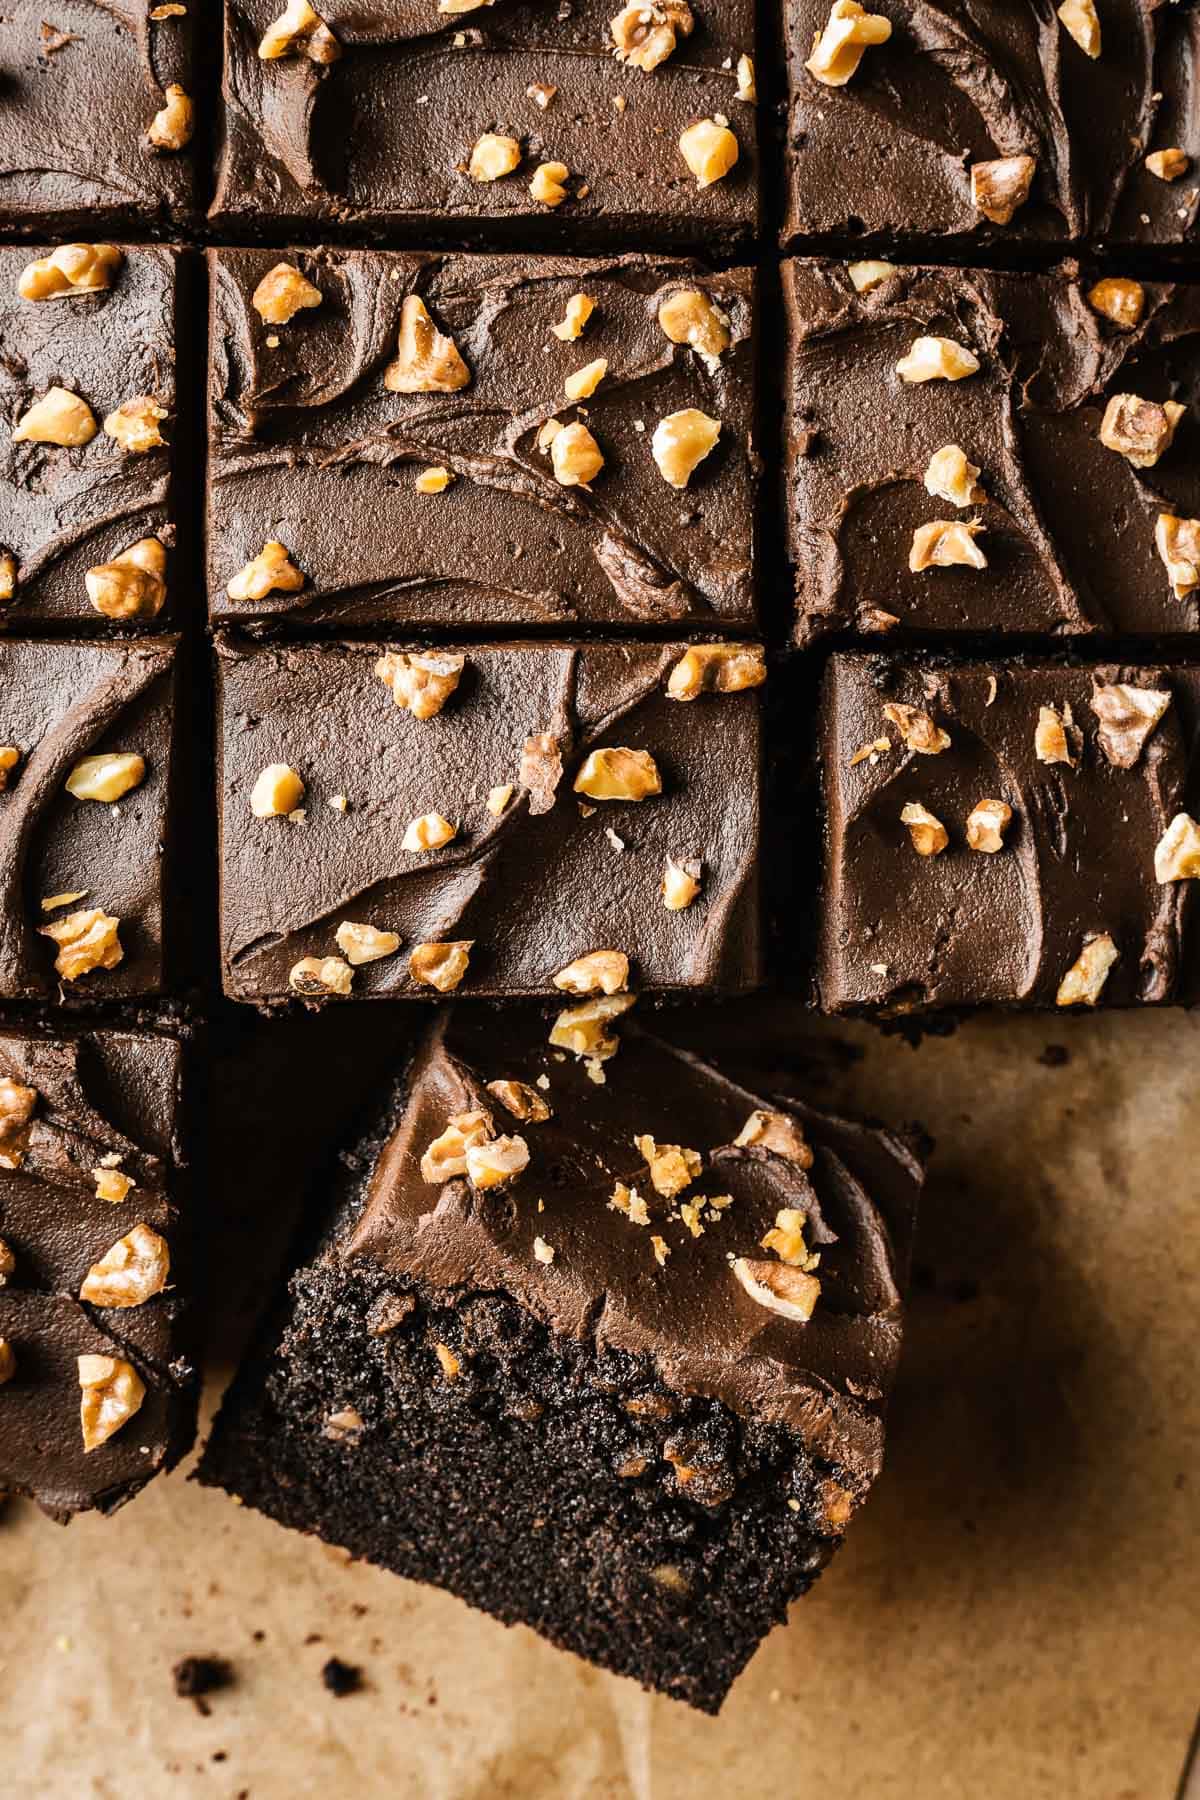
(609, 1359)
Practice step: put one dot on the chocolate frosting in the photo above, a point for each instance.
(379, 141)
(1069, 524)
(101, 1094)
(965, 928)
(306, 437)
(64, 701)
(958, 83)
(533, 889)
(64, 511)
(826, 1380)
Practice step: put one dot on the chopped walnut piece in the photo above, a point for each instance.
(440, 966)
(429, 832)
(299, 31)
(1120, 300)
(867, 276)
(747, 87)
(170, 9)
(445, 1158)
(580, 308)
(777, 1132)
(8, 1263)
(8, 576)
(10, 756)
(493, 156)
(793, 1293)
(271, 571)
(947, 543)
(112, 1391)
(672, 1166)
(583, 1030)
(1050, 740)
(277, 792)
(131, 1272)
(71, 269)
(575, 456)
(497, 1161)
(870, 752)
(681, 442)
(345, 1425)
(427, 362)
(282, 293)
(681, 882)
(917, 730)
(987, 823)
(540, 771)
(498, 799)
(951, 477)
(542, 1250)
(1079, 17)
(929, 836)
(549, 184)
(106, 777)
(627, 1200)
(786, 1239)
(600, 972)
(8, 1361)
(838, 49)
(1139, 430)
(52, 902)
(584, 382)
(646, 32)
(716, 669)
(709, 149)
(317, 977)
(113, 1185)
(434, 480)
(1001, 187)
(422, 684)
(521, 1100)
(617, 773)
(661, 1249)
(86, 940)
(451, 1364)
(937, 359)
(1084, 980)
(541, 93)
(364, 943)
(172, 126)
(1177, 853)
(134, 425)
(16, 1110)
(689, 316)
(1127, 717)
(59, 417)
(133, 585)
(1178, 544)
(1168, 165)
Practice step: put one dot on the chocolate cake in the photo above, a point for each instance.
(97, 1389)
(609, 1360)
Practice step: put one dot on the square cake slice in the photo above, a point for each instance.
(99, 116)
(993, 127)
(979, 453)
(471, 441)
(611, 1361)
(406, 822)
(517, 123)
(1002, 833)
(97, 1392)
(88, 382)
(86, 819)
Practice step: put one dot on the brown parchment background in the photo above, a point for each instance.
(1016, 1613)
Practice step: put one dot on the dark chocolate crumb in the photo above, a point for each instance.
(341, 1678)
(197, 1675)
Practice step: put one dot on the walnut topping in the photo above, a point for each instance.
(131, 1272)
(133, 585)
(951, 477)
(446, 1157)
(421, 684)
(575, 456)
(583, 1030)
(987, 823)
(838, 49)
(929, 836)
(709, 149)
(135, 423)
(59, 417)
(16, 1110)
(1050, 740)
(681, 442)
(86, 940)
(661, 1249)
(434, 480)
(499, 1160)
(1127, 717)
(364, 943)
(937, 359)
(8, 1263)
(52, 902)
(747, 87)
(549, 184)
(646, 32)
(1120, 300)
(689, 316)
(1168, 165)
(543, 1251)
(786, 1239)
(493, 156)
(282, 293)
(584, 382)
(8, 1361)
(778, 1133)
(271, 571)
(627, 1200)
(426, 361)
(71, 269)
(112, 1391)
(1084, 980)
(113, 1185)
(277, 792)
(317, 977)
(580, 308)
(1139, 430)
(429, 832)
(172, 126)
(451, 1364)
(440, 966)
(618, 773)
(1080, 19)
(10, 756)
(917, 729)
(498, 799)
(793, 1293)
(106, 777)
(947, 543)
(600, 972)
(672, 1167)
(716, 669)
(541, 93)
(1177, 853)
(299, 31)
(8, 576)
(1178, 544)
(345, 1425)
(170, 9)
(867, 276)
(999, 188)
(681, 882)
(540, 771)
(521, 1100)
